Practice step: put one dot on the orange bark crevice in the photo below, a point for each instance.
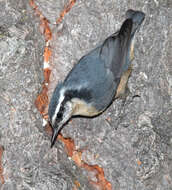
(69, 144)
(42, 101)
(1, 168)
(66, 9)
(47, 54)
(102, 183)
(77, 184)
(76, 155)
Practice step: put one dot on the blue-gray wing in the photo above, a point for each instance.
(114, 50)
(99, 71)
(91, 76)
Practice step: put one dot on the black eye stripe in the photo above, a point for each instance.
(60, 114)
(61, 109)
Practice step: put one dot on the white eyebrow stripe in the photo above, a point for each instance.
(59, 104)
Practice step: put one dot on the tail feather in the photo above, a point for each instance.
(137, 18)
(114, 49)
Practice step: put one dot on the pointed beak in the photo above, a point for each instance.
(54, 136)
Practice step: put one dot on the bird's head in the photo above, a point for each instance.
(60, 111)
(66, 102)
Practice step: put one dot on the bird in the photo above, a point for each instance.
(98, 78)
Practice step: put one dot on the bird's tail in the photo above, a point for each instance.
(137, 18)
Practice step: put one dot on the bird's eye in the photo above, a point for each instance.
(59, 115)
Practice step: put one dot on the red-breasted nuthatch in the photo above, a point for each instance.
(98, 78)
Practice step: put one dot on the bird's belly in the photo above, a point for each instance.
(123, 82)
(132, 50)
(83, 108)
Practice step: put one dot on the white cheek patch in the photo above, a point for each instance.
(68, 112)
(61, 98)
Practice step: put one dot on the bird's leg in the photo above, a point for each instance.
(122, 92)
(125, 95)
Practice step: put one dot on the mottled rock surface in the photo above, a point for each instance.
(135, 149)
